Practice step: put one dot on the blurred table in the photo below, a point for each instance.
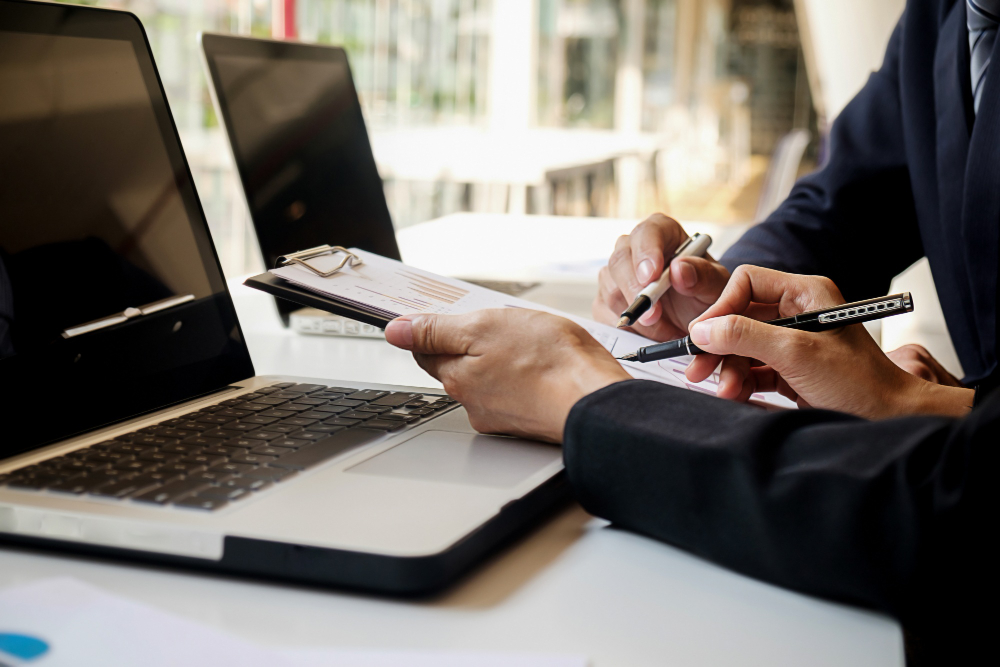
(575, 585)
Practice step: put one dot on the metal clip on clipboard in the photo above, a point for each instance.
(300, 257)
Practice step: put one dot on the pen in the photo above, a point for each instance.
(814, 320)
(696, 246)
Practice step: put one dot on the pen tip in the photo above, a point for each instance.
(628, 357)
(623, 322)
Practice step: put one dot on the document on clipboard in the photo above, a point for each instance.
(376, 290)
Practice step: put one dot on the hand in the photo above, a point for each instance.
(916, 360)
(638, 260)
(515, 371)
(842, 369)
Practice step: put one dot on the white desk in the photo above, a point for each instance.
(573, 586)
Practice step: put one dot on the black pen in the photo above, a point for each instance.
(814, 320)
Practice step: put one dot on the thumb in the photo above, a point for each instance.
(733, 334)
(430, 334)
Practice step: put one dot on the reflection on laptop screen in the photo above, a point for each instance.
(99, 222)
(301, 148)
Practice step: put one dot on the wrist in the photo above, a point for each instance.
(929, 398)
(578, 381)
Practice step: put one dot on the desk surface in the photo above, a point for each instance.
(575, 585)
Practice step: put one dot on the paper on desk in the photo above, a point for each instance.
(392, 288)
(81, 626)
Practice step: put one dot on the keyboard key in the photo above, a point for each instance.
(202, 441)
(297, 407)
(358, 415)
(171, 492)
(261, 434)
(384, 424)
(280, 414)
(280, 428)
(38, 481)
(378, 409)
(181, 467)
(329, 409)
(231, 402)
(367, 395)
(155, 440)
(135, 466)
(189, 447)
(241, 427)
(220, 450)
(111, 444)
(395, 399)
(260, 420)
(270, 400)
(197, 427)
(252, 458)
(160, 477)
(235, 414)
(109, 457)
(253, 407)
(203, 460)
(288, 395)
(311, 435)
(298, 421)
(213, 419)
(201, 503)
(283, 385)
(247, 483)
(222, 493)
(131, 448)
(307, 388)
(75, 485)
(320, 428)
(310, 401)
(246, 443)
(172, 422)
(212, 476)
(421, 412)
(166, 432)
(266, 390)
(292, 443)
(124, 487)
(314, 415)
(159, 457)
(252, 396)
(86, 482)
(325, 449)
(268, 450)
(340, 421)
(406, 419)
(417, 404)
(347, 403)
(274, 475)
(235, 468)
(329, 395)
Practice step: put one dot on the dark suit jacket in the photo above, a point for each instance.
(898, 515)
(909, 174)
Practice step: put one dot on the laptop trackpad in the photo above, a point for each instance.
(462, 458)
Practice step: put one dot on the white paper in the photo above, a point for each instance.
(84, 626)
(393, 289)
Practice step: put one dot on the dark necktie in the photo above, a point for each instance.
(982, 17)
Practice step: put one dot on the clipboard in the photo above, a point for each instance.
(275, 286)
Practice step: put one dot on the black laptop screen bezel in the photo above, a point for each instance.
(223, 361)
(215, 45)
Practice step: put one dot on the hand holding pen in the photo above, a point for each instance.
(842, 369)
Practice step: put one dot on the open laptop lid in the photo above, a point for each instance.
(99, 220)
(298, 137)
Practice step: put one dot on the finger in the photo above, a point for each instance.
(745, 337)
(793, 293)
(652, 241)
(702, 366)
(436, 334)
(651, 316)
(733, 377)
(698, 277)
(622, 270)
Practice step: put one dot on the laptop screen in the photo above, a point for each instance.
(112, 302)
(298, 135)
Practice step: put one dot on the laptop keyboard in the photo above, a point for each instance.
(226, 452)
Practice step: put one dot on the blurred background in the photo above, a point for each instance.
(610, 108)
(704, 109)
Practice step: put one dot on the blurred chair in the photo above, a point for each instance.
(782, 172)
(583, 190)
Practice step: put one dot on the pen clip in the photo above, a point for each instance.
(686, 243)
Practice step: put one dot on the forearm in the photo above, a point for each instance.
(811, 500)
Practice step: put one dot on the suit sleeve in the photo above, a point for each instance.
(887, 514)
(858, 206)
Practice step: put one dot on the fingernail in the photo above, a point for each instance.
(400, 333)
(701, 332)
(644, 272)
(688, 275)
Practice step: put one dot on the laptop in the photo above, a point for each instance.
(298, 138)
(132, 423)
